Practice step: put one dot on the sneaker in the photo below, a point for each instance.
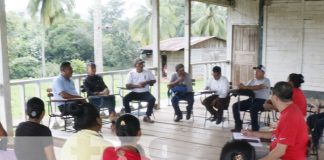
(188, 116)
(178, 118)
(147, 119)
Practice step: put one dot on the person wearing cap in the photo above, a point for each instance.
(97, 90)
(138, 81)
(34, 140)
(260, 85)
(181, 79)
(219, 84)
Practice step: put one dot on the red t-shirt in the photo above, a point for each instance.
(300, 100)
(121, 153)
(291, 131)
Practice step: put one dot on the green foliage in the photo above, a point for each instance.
(210, 22)
(70, 40)
(118, 48)
(79, 66)
(49, 10)
(141, 24)
(24, 37)
(53, 69)
(24, 67)
(207, 20)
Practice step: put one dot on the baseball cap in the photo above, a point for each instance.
(261, 67)
(138, 61)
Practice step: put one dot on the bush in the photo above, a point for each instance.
(52, 69)
(24, 67)
(79, 66)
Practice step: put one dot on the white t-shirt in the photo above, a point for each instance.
(136, 78)
(221, 86)
(263, 93)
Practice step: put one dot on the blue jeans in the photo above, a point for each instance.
(316, 124)
(104, 102)
(189, 97)
(254, 105)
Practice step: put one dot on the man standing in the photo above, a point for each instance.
(220, 85)
(261, 88)
(138, 81)
(98, 92)
(63, 88)
(183, 80)
(289, 140)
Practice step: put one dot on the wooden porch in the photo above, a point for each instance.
(187, 139)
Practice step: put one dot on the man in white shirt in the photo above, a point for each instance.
(219, 100)
(260, 85)
(138, 81)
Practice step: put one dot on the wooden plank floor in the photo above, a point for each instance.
(166, 139)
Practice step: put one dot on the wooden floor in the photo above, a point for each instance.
(165, 139)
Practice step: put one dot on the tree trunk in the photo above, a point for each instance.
(97, 30)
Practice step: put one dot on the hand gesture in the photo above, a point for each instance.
(142, 84)
(247, 132)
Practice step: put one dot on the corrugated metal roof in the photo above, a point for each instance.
(178, 43)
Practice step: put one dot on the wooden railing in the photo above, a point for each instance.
(208, 66)
(37, 87)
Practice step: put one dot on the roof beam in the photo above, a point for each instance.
(224, 3)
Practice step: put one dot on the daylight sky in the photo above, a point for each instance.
(80, 8)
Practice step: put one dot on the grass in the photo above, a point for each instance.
(31, 90)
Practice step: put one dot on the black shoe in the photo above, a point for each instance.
(214, 119)
(178, 118)
(236, 130)
(188, 116)
(219, 120)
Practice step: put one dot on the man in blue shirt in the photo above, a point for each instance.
(63, 88)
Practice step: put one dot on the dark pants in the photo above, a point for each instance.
(189, 97)
(214, 101)
(104, 102)
(316, 124)
(254, 105)
(69, 107)
(145, 96)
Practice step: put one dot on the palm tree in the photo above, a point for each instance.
(141, 25)
(211, 22)
(49, 12)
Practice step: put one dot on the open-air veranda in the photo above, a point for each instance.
(291, 41)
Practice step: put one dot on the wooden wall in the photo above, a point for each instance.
(293, 38)
(294, 41)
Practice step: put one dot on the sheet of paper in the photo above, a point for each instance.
(254, 141)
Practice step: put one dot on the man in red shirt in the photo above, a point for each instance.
(289, 140)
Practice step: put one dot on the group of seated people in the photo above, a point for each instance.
(288, 141)
(34, 140)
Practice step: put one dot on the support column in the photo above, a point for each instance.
(156, 47)
(5, 107)
(97, 30)
(187, 33)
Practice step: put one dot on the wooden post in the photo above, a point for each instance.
(187, 52)
(97, 30)
(5, 109)
(156, 47)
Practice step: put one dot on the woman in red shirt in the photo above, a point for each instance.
(298, 96)
(129, 132)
